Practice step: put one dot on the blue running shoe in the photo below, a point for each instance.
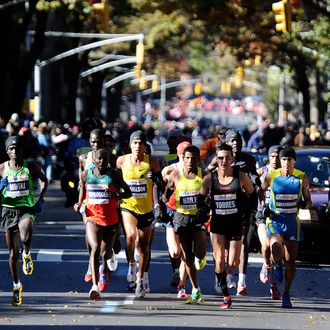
(286, 301)
(278, 274)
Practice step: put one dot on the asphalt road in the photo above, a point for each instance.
(56, 296)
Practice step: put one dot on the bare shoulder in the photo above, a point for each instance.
(120, 161)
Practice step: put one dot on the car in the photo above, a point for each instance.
(314, 161)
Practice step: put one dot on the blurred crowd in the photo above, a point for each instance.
(55, 145)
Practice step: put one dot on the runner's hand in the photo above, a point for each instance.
(3, 183)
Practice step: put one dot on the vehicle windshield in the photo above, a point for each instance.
(316, 168)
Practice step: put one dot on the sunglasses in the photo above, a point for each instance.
(225, 158)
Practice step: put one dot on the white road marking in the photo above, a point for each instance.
(50, 255)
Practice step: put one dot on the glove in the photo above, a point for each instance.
(3, 183)
(158, 212)
(260, 218)
(161, 214)
(39, 205)
(202, 216)
(266, 212)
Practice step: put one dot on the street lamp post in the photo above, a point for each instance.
(110, 39)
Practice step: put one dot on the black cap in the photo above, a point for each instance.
(138, 135)
(275, 148)
(288, 152)
(13, 140)
(232, 133)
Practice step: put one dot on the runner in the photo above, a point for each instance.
(288, 185)
(191, 233)
(100, 190)
(227, 185)
(137, 211)
(266, 272)
(19, 209)
(179, 274)
(246, 164)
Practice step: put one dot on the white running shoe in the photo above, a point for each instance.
(230, 282)
(131, 274)
(112, 262)
(94, 293)
(146, 282)
(140, 291)
(217, 285)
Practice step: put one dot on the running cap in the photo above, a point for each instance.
(288, 152)
(13, 140)
(275, 148)
(138, 135)
(232, 133)
(181, 147)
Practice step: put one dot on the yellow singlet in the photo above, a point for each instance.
(186, 193)
(141, 186)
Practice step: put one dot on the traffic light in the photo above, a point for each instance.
(239, 76)
(282, 11)
(155, 86)
(137, 71)
(140, 53)
(102, 13)
(143, 83)
(198, 89)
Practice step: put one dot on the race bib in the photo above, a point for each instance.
(225, 204)
(97, 194)
(188, 199)
(18, 186)
(138, 188)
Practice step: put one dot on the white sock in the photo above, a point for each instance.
(241, 279)
(146, 275)
(17, 285)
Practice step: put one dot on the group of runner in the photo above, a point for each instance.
(228, 197)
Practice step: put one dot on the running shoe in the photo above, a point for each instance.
(230, 282)
(17, 298)
(146, 282)
(195, 298)
(27, 265)
(131, 286)
(112, 262)
(226, 303)
(175, 279)
(140, 291)
(88, 275)
(103, 279)
(131, 274)
(200, 263)
(94, 293)
(217, 285)
(264, 274)
(278, 274)
(275, 292)
(241, 290)
(286, 301)
(181, 293)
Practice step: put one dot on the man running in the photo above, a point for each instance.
(246, 164)
(265, 274)
(139, 172)
(100, 190)
(227, 185)
(19, 209)
(288, 185)
(187, 183)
